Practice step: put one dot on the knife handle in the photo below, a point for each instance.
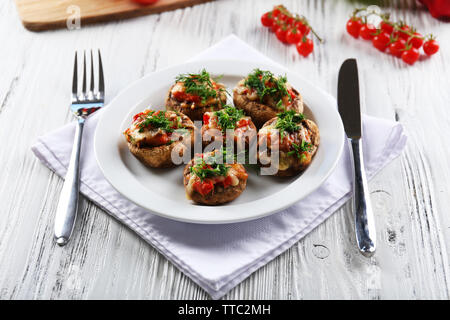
(364, 220)
(66, 212)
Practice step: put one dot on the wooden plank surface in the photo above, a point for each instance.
(106, 260)
(38, 15)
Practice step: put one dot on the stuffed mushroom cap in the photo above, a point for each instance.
(211, 181)
(228, 123)
(155, 136)
(195, 94)
(262, 96)
(291, 136)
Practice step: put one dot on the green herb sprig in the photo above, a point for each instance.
(228, 117)
(156, 121)
(288, 121)
(199, 84)
(267, 85)
(210, 166)
(300, 149)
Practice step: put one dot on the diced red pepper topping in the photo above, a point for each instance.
(227, 181)
(137, 116)
(203, 187)
(292, 94)
(183, 96)
(206, 118)
(243, 123)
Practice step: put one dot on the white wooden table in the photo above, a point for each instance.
(106, 260)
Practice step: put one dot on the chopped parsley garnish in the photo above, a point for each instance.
(267, 85)
(288, 122)
(156, 120)
(300, 149)
(209, 166)
(199, 84)
(228, 117)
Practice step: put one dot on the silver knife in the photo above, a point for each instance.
(349, 109)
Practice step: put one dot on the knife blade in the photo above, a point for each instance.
(348, 98)
(350, 111)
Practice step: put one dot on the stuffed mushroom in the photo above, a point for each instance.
(228, 122)
(209, 180)
(195, 94)
(262, 95)
(293, 137)
(155, 135)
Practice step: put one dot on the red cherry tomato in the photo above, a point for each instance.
(266, 19)
(282, 17)
(290, 21)
(367, 31)
(303, 28)
(353, 26)
(293, 36)
(410, 56)
(430, 47)
(305, 46)
(146, 1)
(416, 40)
(386, 27)
(276, 24)
(276, 12)
(381, 41)
(281, 34)
(396, 48)
(404, 35)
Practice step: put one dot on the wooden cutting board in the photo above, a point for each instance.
(38, 15)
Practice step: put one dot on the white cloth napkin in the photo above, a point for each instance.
(218, 257)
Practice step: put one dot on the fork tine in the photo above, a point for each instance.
(92, 74)
(84, 73)
(101, 81)
(75, 76)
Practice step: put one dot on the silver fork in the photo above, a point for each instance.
(83, 104)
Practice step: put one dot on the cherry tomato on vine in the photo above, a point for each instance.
(146, 1)
(276, 12)
(282, 17)
(293, 36)
(386, 27)
(404, 35)
(276, 24)
(411, 55)
(281, 34)
(290, 21)
(303, 28)
(353, 26)
(305, 46)
(367, 31)
(396, 48)
(430, 47)
(381, 41)
(416, 40)
(266, 19)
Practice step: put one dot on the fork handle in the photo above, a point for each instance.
(66, 211)
(364, 220)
